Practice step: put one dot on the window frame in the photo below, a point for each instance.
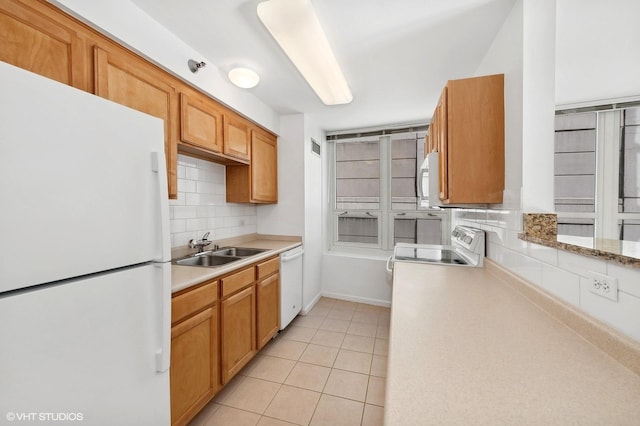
(385, 214)
(609, 126)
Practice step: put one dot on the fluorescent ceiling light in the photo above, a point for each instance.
(295, 26)
(244, 77)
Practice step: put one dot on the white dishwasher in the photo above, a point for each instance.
(290, 285)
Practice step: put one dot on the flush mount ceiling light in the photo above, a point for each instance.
(295, 26)
(244, 77)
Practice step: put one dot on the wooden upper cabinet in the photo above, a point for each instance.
(264, 168)
(200, 122)
(468, 127)
(32, 40)
(257, 182)
(128, 80)
(237, 137)
(442, 143)
(37, 36)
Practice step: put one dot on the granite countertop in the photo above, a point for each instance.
(466, 348)
(623, 252)
(542, 228)
(186, 276)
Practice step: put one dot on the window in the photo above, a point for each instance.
(597, 175)
(373, 191)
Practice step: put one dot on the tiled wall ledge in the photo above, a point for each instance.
(541, 228)
(621, 348)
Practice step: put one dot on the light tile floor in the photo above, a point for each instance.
(326, 368)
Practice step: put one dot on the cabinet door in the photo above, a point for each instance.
(236, 137)
(268, 309)
(200, 123)
(128, 80)
(30, 40)
(194, 371)
(264, 168)
(238, 332)
(443, 146)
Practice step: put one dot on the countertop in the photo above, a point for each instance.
(466, 348)
(623, 252)
(186, 276)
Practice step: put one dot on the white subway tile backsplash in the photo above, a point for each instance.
(178, 225)
(205, 187)
(580, 265)
(561, 283)
(181, 172)
(182, 238)
(525, 266)
(193, 173)
(621, 314)
(559, 272)
(184, 212)
(196, 224)
(544, 254)
(221, 211)
(628, 278)
(201, 205)
(186, 185)
(192, 199)
(187, 161)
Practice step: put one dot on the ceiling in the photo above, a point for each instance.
(396, 55)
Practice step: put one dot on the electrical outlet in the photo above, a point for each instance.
(604, 286)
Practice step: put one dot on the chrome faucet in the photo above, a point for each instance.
(201, 243)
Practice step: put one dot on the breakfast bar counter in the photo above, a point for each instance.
(467, 348)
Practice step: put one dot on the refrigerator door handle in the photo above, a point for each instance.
(163, 352)
(158, 167)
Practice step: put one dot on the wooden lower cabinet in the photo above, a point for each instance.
(267, 309)
(194, 376)
(238, 332)
(217, 328)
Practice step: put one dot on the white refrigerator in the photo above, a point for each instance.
(84, 258)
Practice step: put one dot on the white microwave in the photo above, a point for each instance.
(428, 182)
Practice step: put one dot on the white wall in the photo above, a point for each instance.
(299, 208)
(538, 105)
(124, 21)
(201, 205)
(357, 279)
(314, 224)
(563, 274)
(504, 56)
(597, 52)
(287, 217)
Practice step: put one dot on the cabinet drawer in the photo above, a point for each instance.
(193, 300)
(235, 282)
(268, 267)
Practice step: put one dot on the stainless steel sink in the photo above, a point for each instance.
(218, 257)
(207, 260)
(238, 251)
